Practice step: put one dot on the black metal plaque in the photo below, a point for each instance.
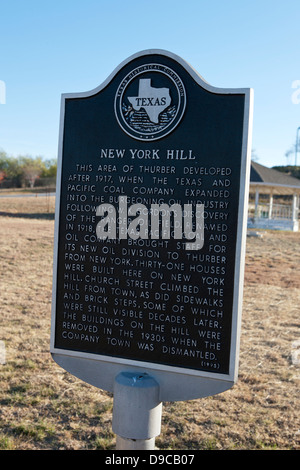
(153, 134)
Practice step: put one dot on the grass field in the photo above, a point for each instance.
(44, 407)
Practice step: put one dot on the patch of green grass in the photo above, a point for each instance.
(106, 442)
(261, 445)
(36, 431)
(209, 444)
(6, 443)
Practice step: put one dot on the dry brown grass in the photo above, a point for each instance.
(43, 407)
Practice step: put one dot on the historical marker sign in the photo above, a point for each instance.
(150, 228)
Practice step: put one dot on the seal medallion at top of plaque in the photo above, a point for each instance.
(150, 102)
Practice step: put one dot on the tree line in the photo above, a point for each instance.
(290, 170)
(25, 171)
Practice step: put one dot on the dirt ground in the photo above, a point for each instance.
(44, 407)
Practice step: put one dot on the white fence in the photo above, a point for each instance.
(276, 211)
(272, 216)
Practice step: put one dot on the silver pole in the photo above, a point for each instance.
(136, 411)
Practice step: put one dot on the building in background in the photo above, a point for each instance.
(273, 199)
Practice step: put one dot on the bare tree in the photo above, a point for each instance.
(31, 169)
(254, 156)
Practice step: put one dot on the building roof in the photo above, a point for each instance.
(266, 179)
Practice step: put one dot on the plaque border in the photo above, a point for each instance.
(176, 383)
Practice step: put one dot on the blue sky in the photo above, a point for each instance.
(52, 47)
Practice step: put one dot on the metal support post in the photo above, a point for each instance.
(136, 411)
(296, 146)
